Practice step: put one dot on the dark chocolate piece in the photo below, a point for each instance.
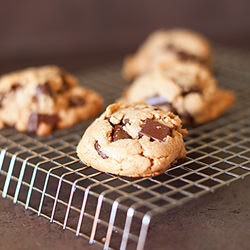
(98, 149)
(156, 100)
(184, 56)
(160, 101)
(2, 95)
(65, 86)
(35, 119)
(119, 133)
(15, 86)
(76, 101)
(155, 130)
(44, 89)
(193, 89)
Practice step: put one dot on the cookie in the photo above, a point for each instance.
(168, 45)
(45, 98)
(133, 140)
(187, 89)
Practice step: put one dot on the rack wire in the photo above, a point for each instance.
(45, 175)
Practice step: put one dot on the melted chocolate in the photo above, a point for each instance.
(65, 86)
(76, 101)
(155, 130)
(160, 101)
(2, 95)
(36, 119)
(44, 89)
(183, 55)
(156, 100)
(193, 89)
(119, 133)
(98, 149)
(15, 86)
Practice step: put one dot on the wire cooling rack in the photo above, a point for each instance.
(45, 176)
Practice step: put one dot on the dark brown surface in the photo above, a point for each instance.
(30, 28)
(216, 221)
(23, 230)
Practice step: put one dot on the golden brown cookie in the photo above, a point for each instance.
(168, 45)
(44, 98)
(187, 89)
(133, 140)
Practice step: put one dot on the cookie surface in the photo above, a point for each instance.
(168, 45)
(187, 89)
(45, 98)
(133, 140)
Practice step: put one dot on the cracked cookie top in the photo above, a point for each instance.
(44, 98)
(133, 140)
(169, 45)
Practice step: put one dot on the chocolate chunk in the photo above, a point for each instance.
(155, 130)
(2, 95)
(15, 86)
(186, 116)
(98, 149)
(184, 56)
(44, 89)
(65, 85)
(119, 133)
(160, 101)
(35, 119)
(156, 100)
(76, 101)
(193, 89)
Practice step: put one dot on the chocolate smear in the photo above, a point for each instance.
(44, 89)
(119, 133)
(98, 149)
(36, 119)
(76, 101)
(155, 130)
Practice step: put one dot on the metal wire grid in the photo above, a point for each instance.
(45, 176)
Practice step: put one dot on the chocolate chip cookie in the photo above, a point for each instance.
(168, 45)
(133, 140)
(45, 98)
(186, 89)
